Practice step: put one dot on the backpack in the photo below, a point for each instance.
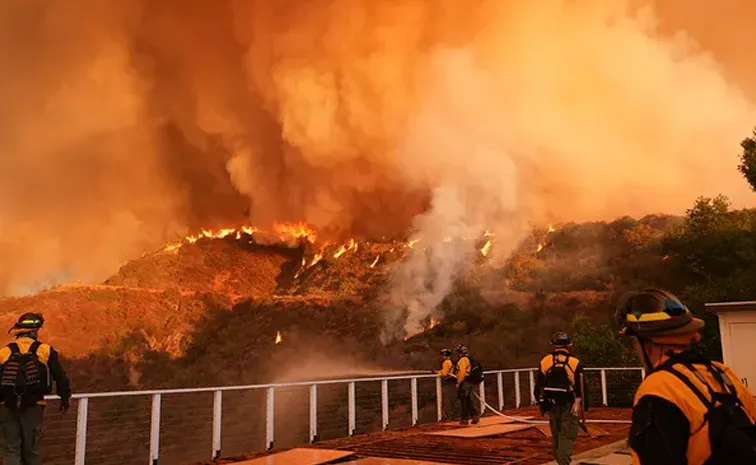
(476, 372)
(558, 388)
(24, 379)
(731, 433)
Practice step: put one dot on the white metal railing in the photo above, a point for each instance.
(494, 378)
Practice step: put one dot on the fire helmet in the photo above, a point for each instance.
(446, 352)
(560, 339)
(29, 321)
(462, 350)
(654, 313)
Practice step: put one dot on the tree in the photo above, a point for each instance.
(599, 345)
(713, 257)
(748, 160)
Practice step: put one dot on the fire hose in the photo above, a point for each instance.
(538, 422)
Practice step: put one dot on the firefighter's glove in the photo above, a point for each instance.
(576, 407)
(65, 404)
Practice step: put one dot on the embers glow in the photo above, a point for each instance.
(486, 248)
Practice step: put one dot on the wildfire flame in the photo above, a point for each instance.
(298, 230)
(279, 339)
(352, 245)
(283, 230)
(210, 234)
(318, 256)
(301, 268)
(486, 248)
(542, 244)
(171, 247)
(375, 262)
(412, 243)
(433, 322)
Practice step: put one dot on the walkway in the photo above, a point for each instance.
(504, 443)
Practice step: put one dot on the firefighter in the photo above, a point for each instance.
(560, 393)
(466, 387)
(449, 385)
(26, 368)
(688, 409)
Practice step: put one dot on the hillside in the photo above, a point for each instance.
(212, 309)
(217, 303)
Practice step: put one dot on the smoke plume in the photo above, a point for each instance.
(128, 123)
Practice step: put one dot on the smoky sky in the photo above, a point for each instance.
(126, 124)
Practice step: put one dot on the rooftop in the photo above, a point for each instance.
(718, 307)
(498, 443)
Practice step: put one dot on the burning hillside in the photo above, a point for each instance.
(287, 259)
(288, 289)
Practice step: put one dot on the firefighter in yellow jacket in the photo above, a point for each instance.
(466, 387)
(560, 393)
(449, 385)
(27, 369)
(688, 410)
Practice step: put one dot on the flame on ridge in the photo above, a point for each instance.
(351, 245)
(543, 242)
(297, 230)
(284, 231)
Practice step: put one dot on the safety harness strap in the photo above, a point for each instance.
(670, 369)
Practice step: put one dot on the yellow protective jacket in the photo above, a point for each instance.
(447, 368)
(668, 417)
(48, 356)
(463, 368)
(573, 368)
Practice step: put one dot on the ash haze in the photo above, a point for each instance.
(127, 123)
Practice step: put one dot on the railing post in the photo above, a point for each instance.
(482, 394)
(439, 399)
(217, 416)
(500, 390)
(384, 404)
(313, 413)
(351, 407)
(531, 379)
(518, 395)
(269, 413)
(604, 399)
(81, 431)
(643, 373)
(155, 429)
(413, 391)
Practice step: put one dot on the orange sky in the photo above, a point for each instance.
(128, 123)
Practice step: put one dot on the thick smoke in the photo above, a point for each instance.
(128, 123)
